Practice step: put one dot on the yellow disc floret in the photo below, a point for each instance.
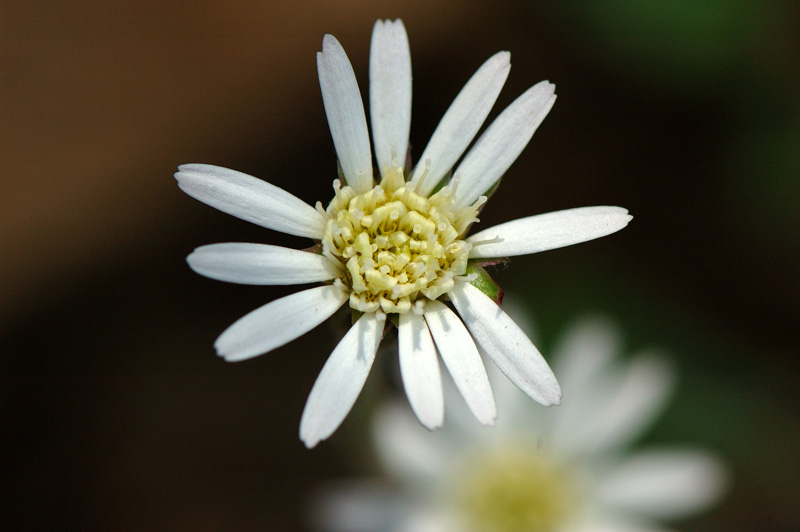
(517, 489)
(398, 248)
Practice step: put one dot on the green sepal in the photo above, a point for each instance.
(485, 283)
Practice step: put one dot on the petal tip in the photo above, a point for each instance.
(388, 22)
(504, 58)
(434, 426)
(624, 216)
(488, 421)
(551, 396)
(431, 423)
(191, 258)
(310, 443)
(329, 44)
(221, 353)
(308, 437)
(200, 168)
(501, 60)
(546, 86)
(230, 353)
(185, 167)
(556, 395)
(327, 38)
(183, 171)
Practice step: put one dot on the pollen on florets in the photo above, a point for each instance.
(398, 248)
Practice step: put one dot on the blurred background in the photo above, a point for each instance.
(116, 413)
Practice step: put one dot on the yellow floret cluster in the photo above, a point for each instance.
(398, 248)
(516, 488)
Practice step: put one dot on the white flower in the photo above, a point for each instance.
(558, 470)
(395, 244)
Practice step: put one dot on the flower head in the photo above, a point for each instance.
(395, 243)
(569, 469)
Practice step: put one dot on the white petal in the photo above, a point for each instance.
(419, 367)
(603, 523)
(582, 360)
(665, 484)
(512, 403)
(462, 360)
(261, 264)
(548, 231)
(502, 143)
(429, 517)
(462, 121)
(622, 406)
(390, 91)
(345, 112)
(506, 344)
(341, 379)
(363, 505)
(279, 322)
(251, 199)
(585, 350)
(407, 450)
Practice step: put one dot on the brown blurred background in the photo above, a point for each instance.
(116, 413)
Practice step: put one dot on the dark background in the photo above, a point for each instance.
(117, 415)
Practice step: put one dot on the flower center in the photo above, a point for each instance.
(516, 490)
(398, 248)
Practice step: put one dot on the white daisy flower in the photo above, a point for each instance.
(557, 470)
(395, 243)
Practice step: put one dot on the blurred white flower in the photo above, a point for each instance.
(396, 244)
(567, 469)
